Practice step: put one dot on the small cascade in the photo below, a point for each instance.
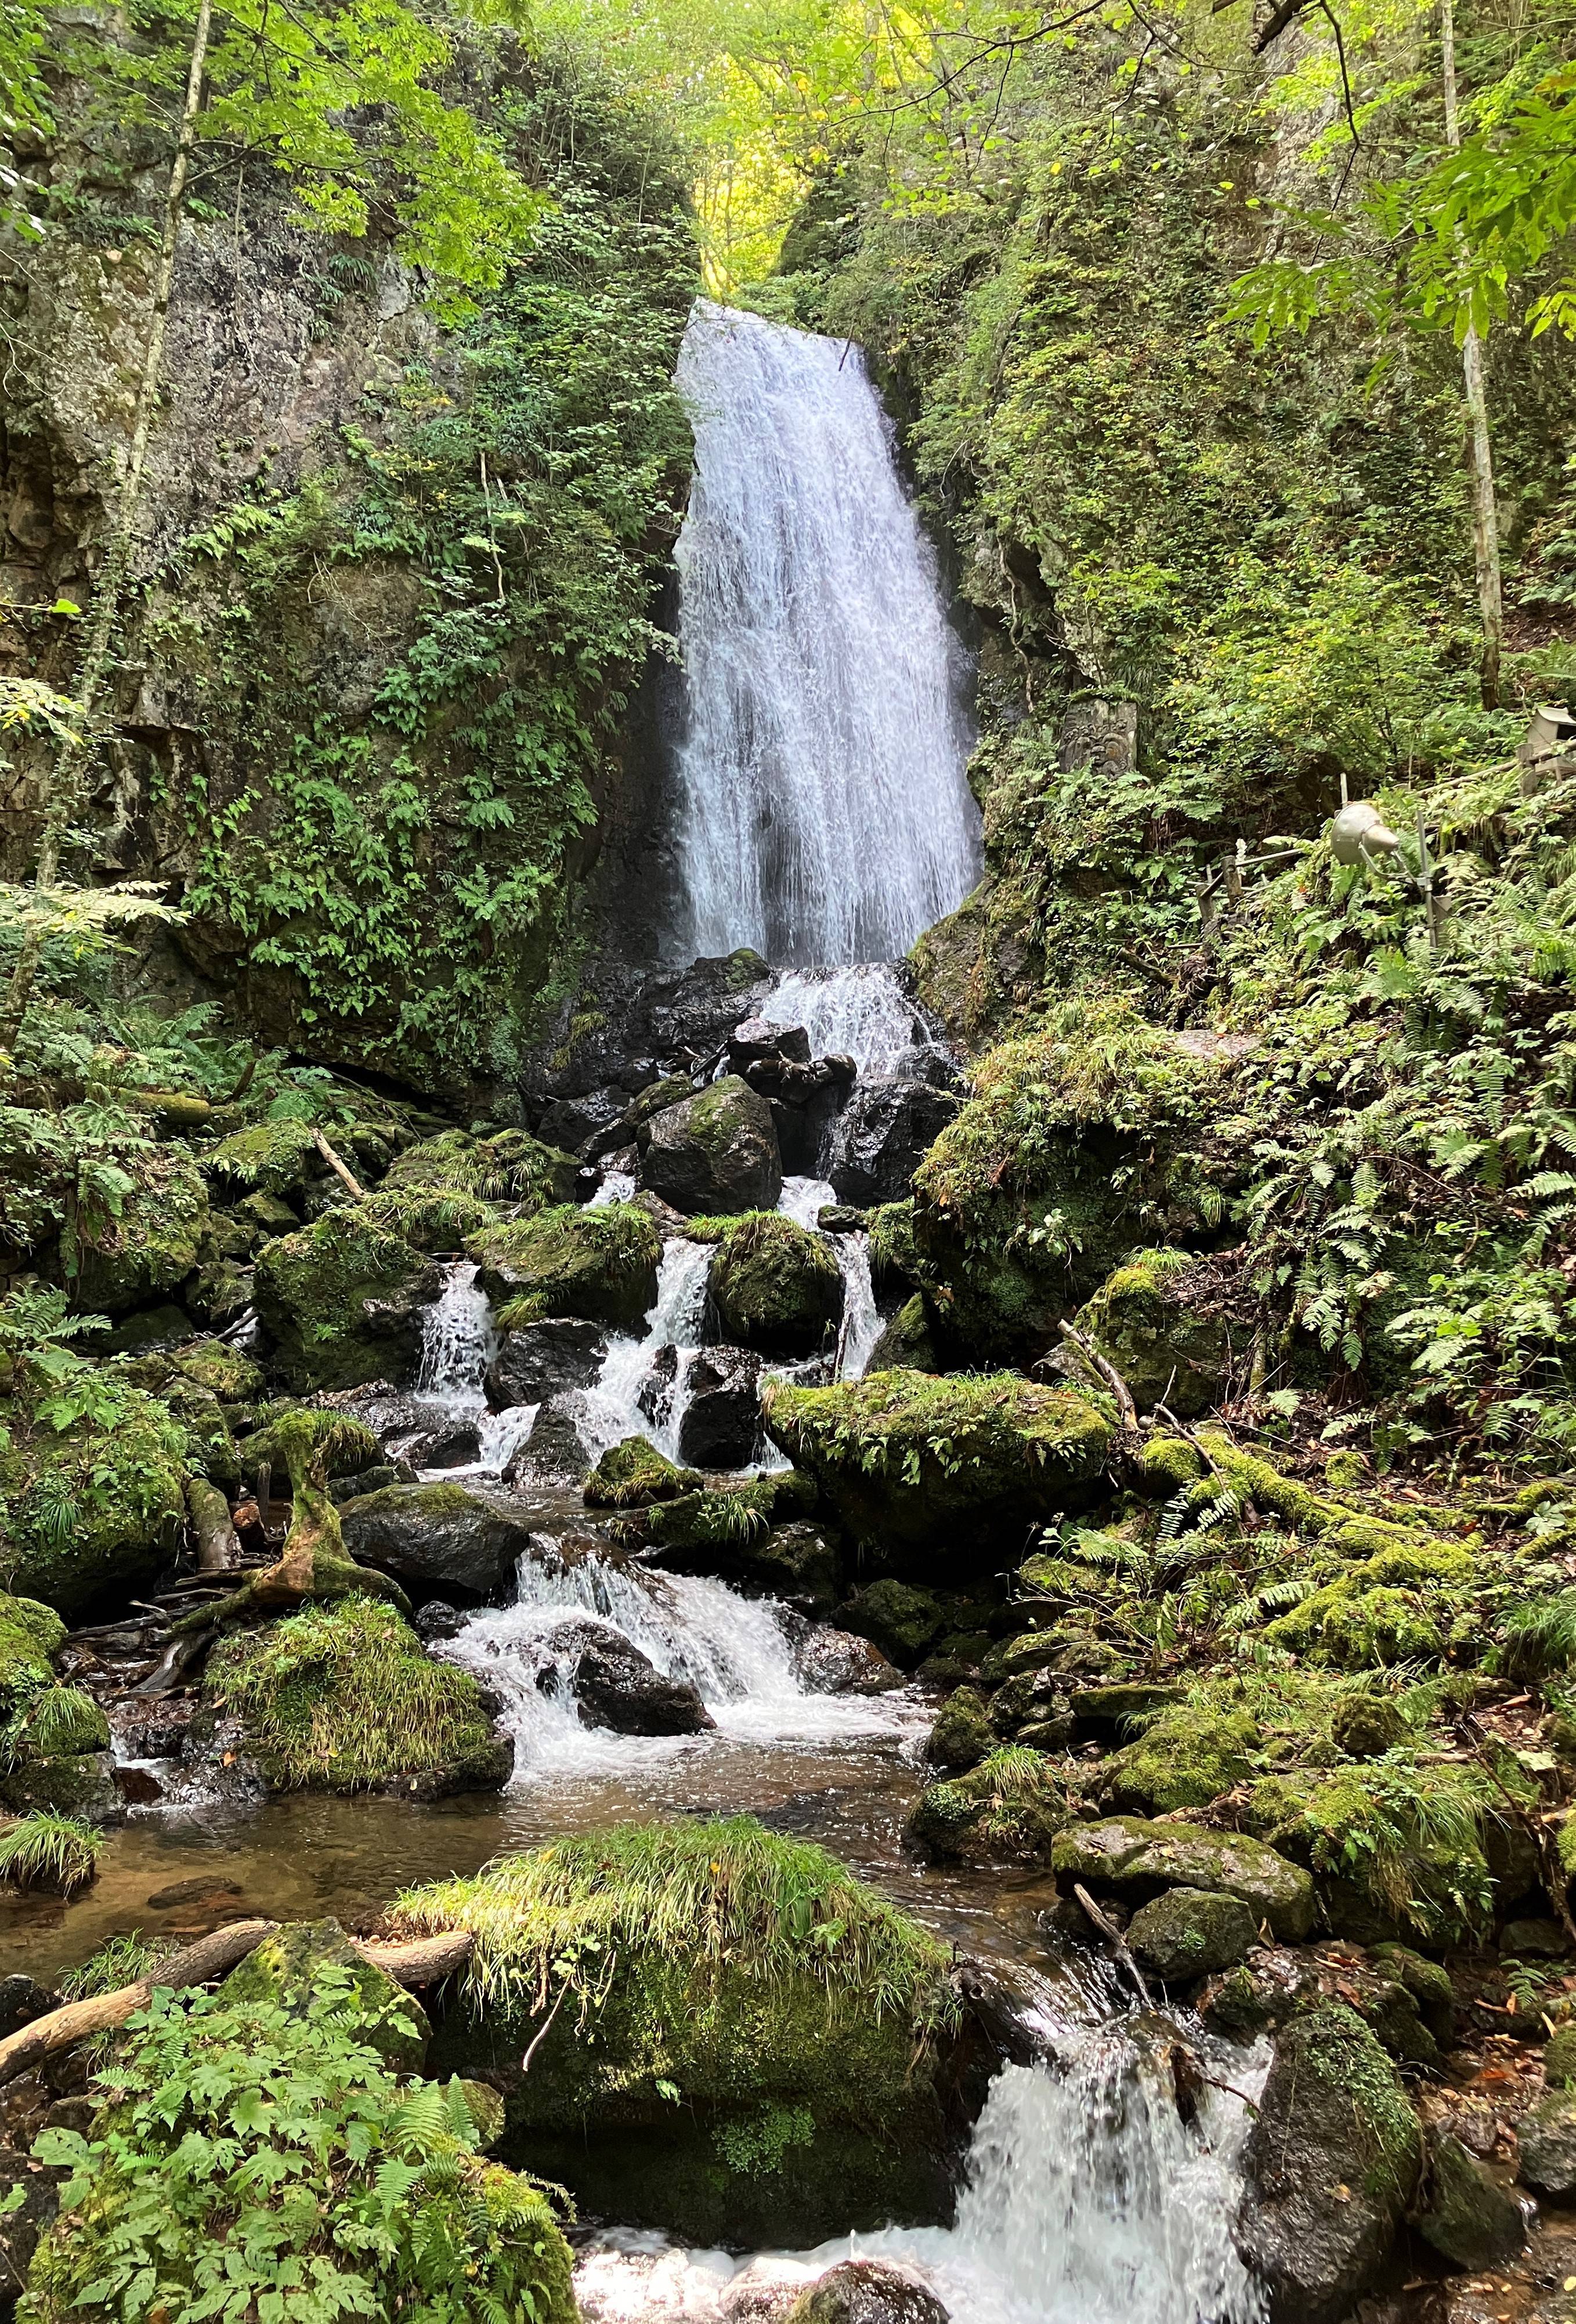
(459, 1340)
(1088, 2201)
(860, 1013)
(862, 1323)
(735, 1652)
(611, 1408)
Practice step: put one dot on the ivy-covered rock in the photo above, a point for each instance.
(716, 1152)
(907, 1459)
(1331, 2165)
(97, 1506)
(1164, 1342)
(342, 1301)
(154, 1244)
(807, 2023)
(343, 1697)
(777, 1286)
(598, 1264)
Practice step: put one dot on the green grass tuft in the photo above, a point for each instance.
(51, 1851)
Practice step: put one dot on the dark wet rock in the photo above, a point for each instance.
(1191, 1932)
(204, 1888)
(437, 1620)
(1034, 1698)
(1547, 2134)
(905, 1343)
(376, 1480)
(903, 1618)
(756, 1042)
(694, 1014)
(545, 1360)
(1103, 1714)
(777, 1287)
(30, 2197)
(153, 1727)
(722, 1420)
(571, 1122)
(21, 2000)
(1429, 1984)
(73, 1783)
(868, 2292)
(836, 1662)
(1331, 2165)
(1467, 2214)
(616, 1686)
(554, 1448)
(962, 1735)
(716, 1152)
(883, 1135)
(442, 1540)
(1260, 1994)
(795, 1562)
(1532, 1939)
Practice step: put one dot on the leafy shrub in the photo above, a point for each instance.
(255, 2163)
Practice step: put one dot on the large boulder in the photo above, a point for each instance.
(1547, 2134)
(1331, 2163)
(882, 1136)
(1191, 1932)
(1467, 2214)
(600, 1265)
(118, 1483)
(868, 2292)
(720, 1426)
(343, 1301)
(1130, 1857)
(1151, 1322)
(716, 1152)
(547, 1359)
(161, 1233)
(615, 1685)
(776, 1287)
(449, 1540)
(914, 1461)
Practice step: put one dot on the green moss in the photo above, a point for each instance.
(1164, 1348)
(962, 1735)
(894, 1259)
(777, 1286)
(49, 1851)
(511, 1167)
(283, 1973)
(345, 1446)
(342, 1698)
(1411, 1836)
(906, 1344)
(904, 1456)
(601, 1264)
(1008, 1808)
(93, 1507)
(324, 1295)
(223, 1372)
(155, 1241)
(1338, 2051)
(273, 1157)
(1185, 1759)
(730, 1516)
(632, 1474)
(1559, 2058)
(30, 1635)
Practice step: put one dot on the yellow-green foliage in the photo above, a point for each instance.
(51, 1851)
(311, 1289)
(30, 1635)
(273, 1156)
(712, 1954)
(511, 1167)
(904, 1455)
(96, 1503)
(1162, 1347)
(1185, 1757)
(632, 1474)
(776, 1284)
(1409, 1834)
(1011, 1804)
(601, 1264)
(290, 1444)
(152, 1244)
(342, 1697)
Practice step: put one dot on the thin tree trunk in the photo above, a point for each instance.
(1485, 513)
(111, 586)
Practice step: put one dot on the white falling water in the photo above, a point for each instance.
(860, 1013)
(824, 811)
(459, 1340)
(610, 1410)
(733, 1651)
(1089, 2201)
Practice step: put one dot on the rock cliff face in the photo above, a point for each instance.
(391, 577)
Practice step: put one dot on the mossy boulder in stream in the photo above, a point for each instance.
(713, 1153)
(733, 2038)
(633, 1474)
(510, 1166)
(343, 1697)
(938, 1464)
(342, 1300)
(777, 1286)
(54, 1733)
(600, 1264)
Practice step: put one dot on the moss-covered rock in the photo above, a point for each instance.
(1559, 2058)
(906, 1343)
(154, 1244)
(633, 1474)
(801, 2019)
(720, 1520)
(509, 1167)
(273, 1157)
(1132, 1856)
(284, 1967)
(1167, 1347)
(1466, 2214)
(938, 1464)
(600, 1264)
(715, 1152)
(1007, 1809)
(903, 1617)
(96, 1507)
(895, 1260)
(1409, 1836)
(962, 1735)
(1547, 2138)
(1191, 1932)
(227, 1375)
(343, 1697)
(1183, 1759)
(775, 1286)
(342, 1301)
(1331, 2164)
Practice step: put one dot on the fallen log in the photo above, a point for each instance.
(425, 1961)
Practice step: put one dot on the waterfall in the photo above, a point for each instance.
(860, 1013)
(1088, 2201)
(459, 1340)
(824, 815)
(611, 1409)
(734, 1651)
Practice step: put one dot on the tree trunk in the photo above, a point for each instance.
(1485, 513)
(218, 1550)
(111, 584)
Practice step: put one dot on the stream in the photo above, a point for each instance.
(827, 818)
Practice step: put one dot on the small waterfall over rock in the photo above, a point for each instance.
(611, 1408)
(824, 812)
(860, 1013)
(1088, 2201)
(459, 1342)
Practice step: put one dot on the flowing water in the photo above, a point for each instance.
(824, 815)
(860, 1013)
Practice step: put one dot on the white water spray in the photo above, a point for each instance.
(459, 1340)
(824, 812)
(860, 1013)
(610, 1410)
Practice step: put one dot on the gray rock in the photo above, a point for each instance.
(722, 1420)
(447, 1541)
(1331, 2165)
(615, 1685)
(868, 2292)
(1467, 2214)
(1191, 1932)
(545, 1360)
(882, 1136)
(554, 1448)
(715, 1152)
(1138, 1859)
(1547, 2134)
(837, 1662)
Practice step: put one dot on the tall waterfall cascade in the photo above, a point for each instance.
(824, 814)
